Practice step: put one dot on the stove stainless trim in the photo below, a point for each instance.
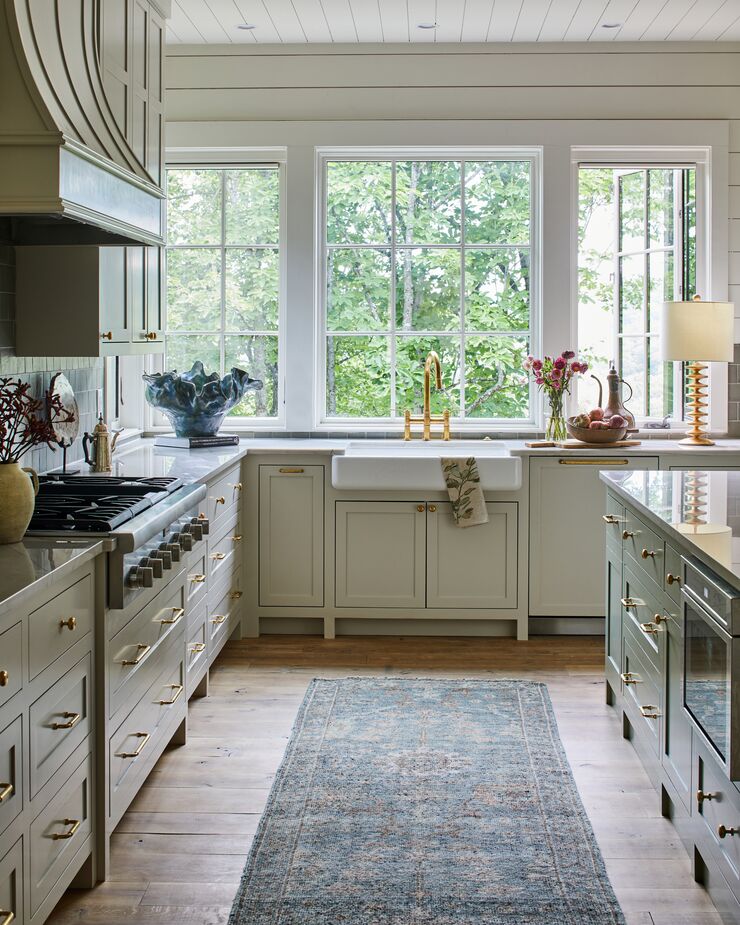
(147, 524)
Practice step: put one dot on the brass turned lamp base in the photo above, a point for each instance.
(696, 441)
(696, 404)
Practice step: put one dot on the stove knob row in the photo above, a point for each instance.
(195, 530)
(140, 577)
(202, 522)
(184, 540)
(174, 549)
(156, 565)
(163, 554)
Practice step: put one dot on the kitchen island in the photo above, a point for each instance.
(673, 653)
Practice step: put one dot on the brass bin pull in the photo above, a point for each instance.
(197, 579)
(71, 623)
(628, 677)
(290, 470)
(72, 720)
(723, 831)
(144, 736)
(4, 678)
(672, 579)
(177, 614)
(142, 649)
(701, 796)
(218, 556)
(219, 618)
(198, 647)
(649, 629)
(6, 790)
(178, 688)
(75, 823)
(649, 711)
(9, 917)
(593, 462)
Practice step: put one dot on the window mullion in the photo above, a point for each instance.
(463, 378)
(393, 294)
(222, 339)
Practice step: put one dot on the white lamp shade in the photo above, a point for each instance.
(699, 331)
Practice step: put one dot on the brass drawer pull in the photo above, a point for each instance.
(75, 823)
(649, 711)
(144, 736)
(723, 831)
(6, 790)
(219, 556)
(9, 917)
(612, 519)
(701, 796)
(71, 623)
(649, 629)
(237, 537)
(628, 677)
(627, 602)
(672, 579)
(142, 649)
(197, 648)
(291, 470)
(4, 678)
(177, 614)
(648, 553)
(197, 579)
(235, 595)
(627, 535)
(219, 618)
(593, 462)
(178, 688)
(72, 720)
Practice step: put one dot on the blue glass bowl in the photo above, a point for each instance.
(195, 403)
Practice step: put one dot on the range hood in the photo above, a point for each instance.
(67, 173)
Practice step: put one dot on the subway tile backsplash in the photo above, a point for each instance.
(733, 404)
(84, 373)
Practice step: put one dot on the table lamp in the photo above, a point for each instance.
(698, 333)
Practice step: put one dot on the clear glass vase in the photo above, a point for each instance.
(555, 430)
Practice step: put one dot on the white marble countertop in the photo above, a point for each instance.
(36, 563)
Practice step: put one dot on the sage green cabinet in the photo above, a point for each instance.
(291, 536)
(613, 628)
(412, 555)
(676, 744)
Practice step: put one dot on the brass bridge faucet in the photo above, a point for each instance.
(427, 418)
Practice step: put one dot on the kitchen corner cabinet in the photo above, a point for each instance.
(566, 499)
(291, 536)
(425, 560)
(107, 300)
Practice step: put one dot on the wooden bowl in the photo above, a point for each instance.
(599, 437)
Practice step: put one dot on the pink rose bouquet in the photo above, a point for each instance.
(554, 377)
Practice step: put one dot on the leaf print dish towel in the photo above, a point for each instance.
(466, 495)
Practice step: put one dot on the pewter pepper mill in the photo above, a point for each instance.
(102, 447)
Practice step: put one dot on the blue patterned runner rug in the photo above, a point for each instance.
(425, 802)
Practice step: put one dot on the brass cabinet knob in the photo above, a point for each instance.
(420, 508)
(71, 623)
(237, 486)
(4, 678)
(701, 796)
(433, 508)
(648, 554)
(672, 579)
(626, 534)
(659, 618)
(151, 335)
(106, 335)
(235, 595)
(220, 500)
(723, 831)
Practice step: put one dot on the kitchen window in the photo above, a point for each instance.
(223, 276)
(423, 252)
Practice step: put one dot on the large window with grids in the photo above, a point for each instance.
(223, 276)
(424, 253)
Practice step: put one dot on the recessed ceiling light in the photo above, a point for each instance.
(611, 25)
(427, 25)
(246, 25)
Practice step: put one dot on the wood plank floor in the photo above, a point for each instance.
(178, 853)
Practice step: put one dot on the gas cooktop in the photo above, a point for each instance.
(95, 504)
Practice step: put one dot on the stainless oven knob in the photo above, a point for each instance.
(140, 577)
(156, 565)
(202, 522)
(195, 530)
(164, 555)
(174, 549)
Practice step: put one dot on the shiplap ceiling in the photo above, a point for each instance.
(373, 21)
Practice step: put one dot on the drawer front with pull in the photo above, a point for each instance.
(224, 613)
(132, 655)
(11, 885)
(643, 701)
(11, 774)
(717, 803)
(224, 496)
(644, 616)
(673, 573)
(196, 649)
(224, 551)
(59, 721)
(11, 662)
(59, 624)
(196, 580)
(59, 831)
(645, 548)
(139, 738)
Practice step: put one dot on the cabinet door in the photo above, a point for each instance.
(380, 554)
(676, 728)
(139, 24)
(472, 567)
(155, 126)
(115, 314)
(566, 542)
(613, 629)
(137, 291)
(115, 59)
(154, 273)
(291, 536)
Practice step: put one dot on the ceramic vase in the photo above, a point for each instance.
(17, 498)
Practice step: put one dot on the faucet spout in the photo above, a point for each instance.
(431, 360)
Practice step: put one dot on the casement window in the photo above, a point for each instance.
(637, 249)
(223, 276)
(424, 252)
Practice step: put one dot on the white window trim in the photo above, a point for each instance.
(155, 422)
(711, 236)
(322, 422)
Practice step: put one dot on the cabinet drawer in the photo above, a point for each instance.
(673, 573)
(224, 613)
(59, 721)
(224, 496)
(719, 808)
(196, 579)
(11, 674)
(642, 696)
(11, 884)
(11, 774)
(224, 551)
(132, 659)
(196, 648)
(134, 746)
(645, 547)
(59, 624)
(643, 615)
(58, 832)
